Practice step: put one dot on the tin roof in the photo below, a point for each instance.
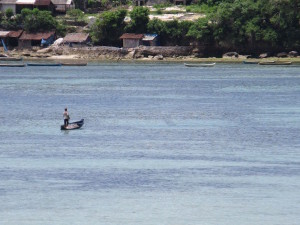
(15, 34)
(36, 36)
(149, 37)
(42, 2)
(4, 34)
(61, 2)
(25, 2)
(131, 36)
(8, 2)
(76, 37)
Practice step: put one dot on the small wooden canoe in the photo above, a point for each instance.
(43, 64)
(73, 125)
(12, 65)
(275, 63)
(200, 64)
(74, 64)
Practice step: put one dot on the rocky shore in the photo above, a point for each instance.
(145, 53)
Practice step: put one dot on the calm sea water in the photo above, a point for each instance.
(162, 144)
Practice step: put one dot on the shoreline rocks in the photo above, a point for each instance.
(155, 53)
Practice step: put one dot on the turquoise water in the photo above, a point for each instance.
(161, 144)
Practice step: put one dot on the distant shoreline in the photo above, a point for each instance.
(144, 54)
(66, 58)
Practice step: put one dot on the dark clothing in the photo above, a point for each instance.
(66, 122)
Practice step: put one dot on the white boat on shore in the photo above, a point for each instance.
(199, 64)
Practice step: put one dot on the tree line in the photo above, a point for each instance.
(31, 21)
(244, 25)
(241, 25)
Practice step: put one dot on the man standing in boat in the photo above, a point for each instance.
(66, 117)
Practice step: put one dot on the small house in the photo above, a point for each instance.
(18, 5)
(150, 40)
(132, 40)
(3, 39)
(10, 38)
(61, 6)
(13, 38)
(77, 39)
(8, 4)
(24, 4)
(28, 40)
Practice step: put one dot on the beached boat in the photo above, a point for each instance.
(43, 64)
(74, 64)
(12, 65)
(11, 58)
(73, 126)
(275, 63)
(251, 62)
(200, 64)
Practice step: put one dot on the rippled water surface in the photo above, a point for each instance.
(161, 144)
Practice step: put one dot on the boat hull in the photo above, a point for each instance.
(43, 64)
(275, 63)
(74, 64)
(10, 59)
(200, 64)
(12, 65)
(73, 125)
(250, 62)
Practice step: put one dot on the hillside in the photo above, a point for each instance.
(249, 27)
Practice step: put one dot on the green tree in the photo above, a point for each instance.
(9, 22)
(139, 20)
(171, 32)
(285, 20)
(235, 24)
(177, 32)
(77, 14)
(93, 3)
(9, 13)
(26, 12)
(201, 31)
(109, 27)
(80, 4)
(273, 23)
(36, 20)
(157, 26)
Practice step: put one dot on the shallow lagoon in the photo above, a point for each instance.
(161, 144)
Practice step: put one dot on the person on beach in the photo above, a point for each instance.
(66, 117)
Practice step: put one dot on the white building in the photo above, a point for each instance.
(8, 4)
(63, 5)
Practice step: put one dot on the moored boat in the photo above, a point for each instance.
(11, 58)
(200, 64)
(12, 65)
(251, 62)
(43, 64)
(73, 125)
(74, 64)
(275, 63)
